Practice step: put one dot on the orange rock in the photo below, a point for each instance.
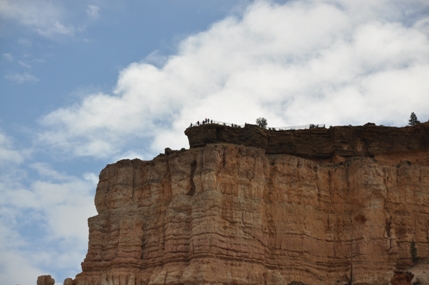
(232, 214)
(45, 280)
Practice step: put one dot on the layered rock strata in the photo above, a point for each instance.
(237, 214)
(345, 141)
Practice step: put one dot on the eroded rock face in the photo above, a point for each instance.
(45, 280)
(232, 214)
(402, 278)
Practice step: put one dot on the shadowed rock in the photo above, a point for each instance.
(345, 141)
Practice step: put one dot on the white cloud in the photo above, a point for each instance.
(13, 264)
(44, 170)
(93, 11)
(297, 63)
(56, 28)
(7, 57)
(423, 26)
(43, 225)
(43, 16)
(25, 42)
(56, 196)
(67, 206)
(8, 154)
(91, 177)
(22, 78)
(43, 217)
(23, 64)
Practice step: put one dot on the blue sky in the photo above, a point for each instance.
(86, 83)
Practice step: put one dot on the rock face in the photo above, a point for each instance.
(402, 278)
(45, 280)
(229, 213)
(346, 141)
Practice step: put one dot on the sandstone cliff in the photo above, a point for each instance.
(242, 213)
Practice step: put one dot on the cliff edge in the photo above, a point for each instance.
(344, 141)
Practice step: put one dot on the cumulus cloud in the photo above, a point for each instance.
(51, 212)
(42, 206)
(22, 78)
(59, 197)
(331, 62)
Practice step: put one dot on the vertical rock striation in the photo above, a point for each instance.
(229, 213)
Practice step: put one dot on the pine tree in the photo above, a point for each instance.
(413, 120)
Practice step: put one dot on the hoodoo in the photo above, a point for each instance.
(245, 205)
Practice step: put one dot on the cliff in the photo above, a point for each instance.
(250, 206)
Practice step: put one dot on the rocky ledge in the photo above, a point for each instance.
(344, 141)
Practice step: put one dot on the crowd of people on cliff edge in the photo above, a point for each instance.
(203, 122)
(209, 121)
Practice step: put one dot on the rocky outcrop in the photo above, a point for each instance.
(45, 280)
(234, 214)
(344, 141)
